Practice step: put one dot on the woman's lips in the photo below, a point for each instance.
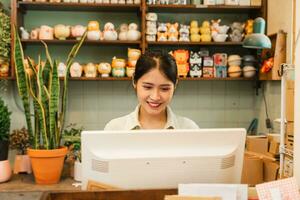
(154, 105)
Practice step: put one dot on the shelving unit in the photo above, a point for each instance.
(202, 9)
(20, 8)
(90, 42)
(180, 79)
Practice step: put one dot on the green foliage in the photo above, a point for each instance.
(42, 90)
(4, 35)
(72, 140)
(19, 140)
(4, 121)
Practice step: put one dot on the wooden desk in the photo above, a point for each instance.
(23, 187)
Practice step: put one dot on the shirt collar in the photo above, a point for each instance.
(133, 121)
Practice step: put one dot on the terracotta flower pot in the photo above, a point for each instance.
(5, 171)
(47, 164)
(22, 164)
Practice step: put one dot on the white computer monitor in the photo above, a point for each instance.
(144, 159)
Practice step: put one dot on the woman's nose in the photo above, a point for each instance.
(155, 95)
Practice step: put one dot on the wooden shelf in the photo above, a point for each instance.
(90, 42)
(201, 9)
(170, 43)
(6, 78)
(78, 7)
(181, 79)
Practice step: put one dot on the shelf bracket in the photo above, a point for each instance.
(257, 85)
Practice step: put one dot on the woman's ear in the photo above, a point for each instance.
(176, 84)
(133, 83)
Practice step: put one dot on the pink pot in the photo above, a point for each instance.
(22, 164)
(5, 170)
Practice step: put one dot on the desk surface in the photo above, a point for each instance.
(25, 182)
(23, 187)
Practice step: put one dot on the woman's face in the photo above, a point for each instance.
(154, 92)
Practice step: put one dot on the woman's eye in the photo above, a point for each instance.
(147, 87)
(165, 89)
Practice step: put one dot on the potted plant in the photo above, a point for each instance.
(19, 140)
(72, 140)
(4, 141)
(4, 42)
(41, 88)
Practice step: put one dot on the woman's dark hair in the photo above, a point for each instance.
(151, 60)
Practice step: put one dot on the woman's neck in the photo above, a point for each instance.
(148, 121)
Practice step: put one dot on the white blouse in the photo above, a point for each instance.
(131, 122)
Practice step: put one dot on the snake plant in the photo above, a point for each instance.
(41, 90)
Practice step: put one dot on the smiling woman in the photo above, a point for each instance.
(154, 81)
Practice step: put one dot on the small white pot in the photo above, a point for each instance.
(77, 170)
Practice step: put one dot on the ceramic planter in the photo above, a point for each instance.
(47, 164)
(4, 150)
(5, 170)
(77, 170)
(22, 164)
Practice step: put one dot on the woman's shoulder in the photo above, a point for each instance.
(186, 123)
(117, 123)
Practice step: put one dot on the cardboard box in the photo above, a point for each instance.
(289, 128)
(273, 137)
(271, 170)
(252, 170)
(257, 144)
(274, 147)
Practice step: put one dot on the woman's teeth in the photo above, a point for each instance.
(154, 104)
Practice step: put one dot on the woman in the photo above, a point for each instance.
(154, 81)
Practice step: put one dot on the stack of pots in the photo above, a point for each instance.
(234, 69)
(249, 69)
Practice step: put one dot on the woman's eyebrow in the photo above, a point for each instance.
(162, 85)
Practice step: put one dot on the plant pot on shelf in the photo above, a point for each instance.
(77, 170)
(4, 149)
(5, 170)
(22, 164)
(47, 164)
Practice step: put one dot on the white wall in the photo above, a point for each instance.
(297, 100)
(211, 104)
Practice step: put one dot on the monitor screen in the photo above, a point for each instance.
(144, 159)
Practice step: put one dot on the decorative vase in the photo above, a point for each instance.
(5, 170)
(47, 164)
(22, 164)
(77, 170)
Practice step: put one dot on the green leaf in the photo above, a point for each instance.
(22, 79)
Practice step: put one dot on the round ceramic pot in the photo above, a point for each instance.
(47, 164)
(234, 71)
(234, 60)
(5, 170)
(249, 71)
